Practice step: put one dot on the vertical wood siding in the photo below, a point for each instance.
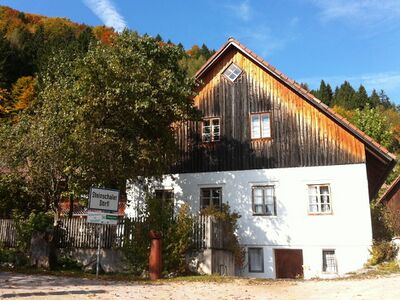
(301, 134)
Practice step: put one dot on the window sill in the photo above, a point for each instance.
(261, 139)
(263, 215)
(256, 271)
(321, 214)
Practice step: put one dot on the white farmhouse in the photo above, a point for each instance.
(300, 175)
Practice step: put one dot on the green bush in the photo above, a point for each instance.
(176, 236)
(25, 226)
(11, 258)
(229, 220)
(137, 248)
(382, 251)
(67, 263)
(178, 240)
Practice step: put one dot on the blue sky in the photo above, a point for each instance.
(308, 40)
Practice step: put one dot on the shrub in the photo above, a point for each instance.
(178, 241)
(68, 263)
(176, 236)
(382, 251)
(229, 220)
(25, 226)
(12, 258)
(391, 217)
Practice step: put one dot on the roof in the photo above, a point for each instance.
(393, 188)
(367, 140)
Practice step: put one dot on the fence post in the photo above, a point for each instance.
(209, 232)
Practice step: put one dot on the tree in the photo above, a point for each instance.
(345, 96)
(374, 99)
(324, 93)
(361, 97)
(112, 119)
(374, 123)
(385, 100)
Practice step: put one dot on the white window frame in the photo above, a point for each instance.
(214, 134)
(231, 74)
(329, 264)
(260, 251)
(211, 198)
(265, 203)
(262, 132)
(317, 200)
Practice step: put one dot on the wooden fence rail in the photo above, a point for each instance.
(7, 233)
(77, 233)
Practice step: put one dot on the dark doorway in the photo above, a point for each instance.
(289, 263)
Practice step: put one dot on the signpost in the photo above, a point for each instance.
(103, 199)
(103, 208)
(97, 217)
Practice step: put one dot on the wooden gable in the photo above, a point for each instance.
(304, 132)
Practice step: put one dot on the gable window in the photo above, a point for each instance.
(256, 260)
(260, 125)
(264, 200)
(211, 130)
(329, 264)
(210, 197)
(232, 72)
(319, 197)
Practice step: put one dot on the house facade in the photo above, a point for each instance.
(300, 175)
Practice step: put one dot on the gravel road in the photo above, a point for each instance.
(20, 286)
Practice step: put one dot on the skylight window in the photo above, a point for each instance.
(232, 72)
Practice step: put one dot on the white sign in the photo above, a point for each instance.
(103, 199)
(95, 217)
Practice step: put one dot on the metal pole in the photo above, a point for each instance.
(99, 229)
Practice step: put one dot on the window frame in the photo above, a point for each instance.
(260, 114)
(264, 204)
(325, 262)
(211, 201)
(212, 131)
(319, 203)
(261, 249)
(227, 76)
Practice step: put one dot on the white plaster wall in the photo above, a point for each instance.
(347, 229)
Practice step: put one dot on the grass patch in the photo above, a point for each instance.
(382, 269)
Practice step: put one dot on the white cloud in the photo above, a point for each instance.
(106, 11)
(387, 81)
(242, 11)
(361, 12)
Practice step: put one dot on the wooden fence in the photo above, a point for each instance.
(7, 233)
(77, 233)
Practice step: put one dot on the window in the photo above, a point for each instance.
(264, 200)
(256, 260)
(319, 199)
(166, 196)
(211, 130)
(210, 197)
(329, 264)
(232, 72)
(260, 125)
(166, 200)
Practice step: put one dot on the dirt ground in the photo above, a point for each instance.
(20, 286)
